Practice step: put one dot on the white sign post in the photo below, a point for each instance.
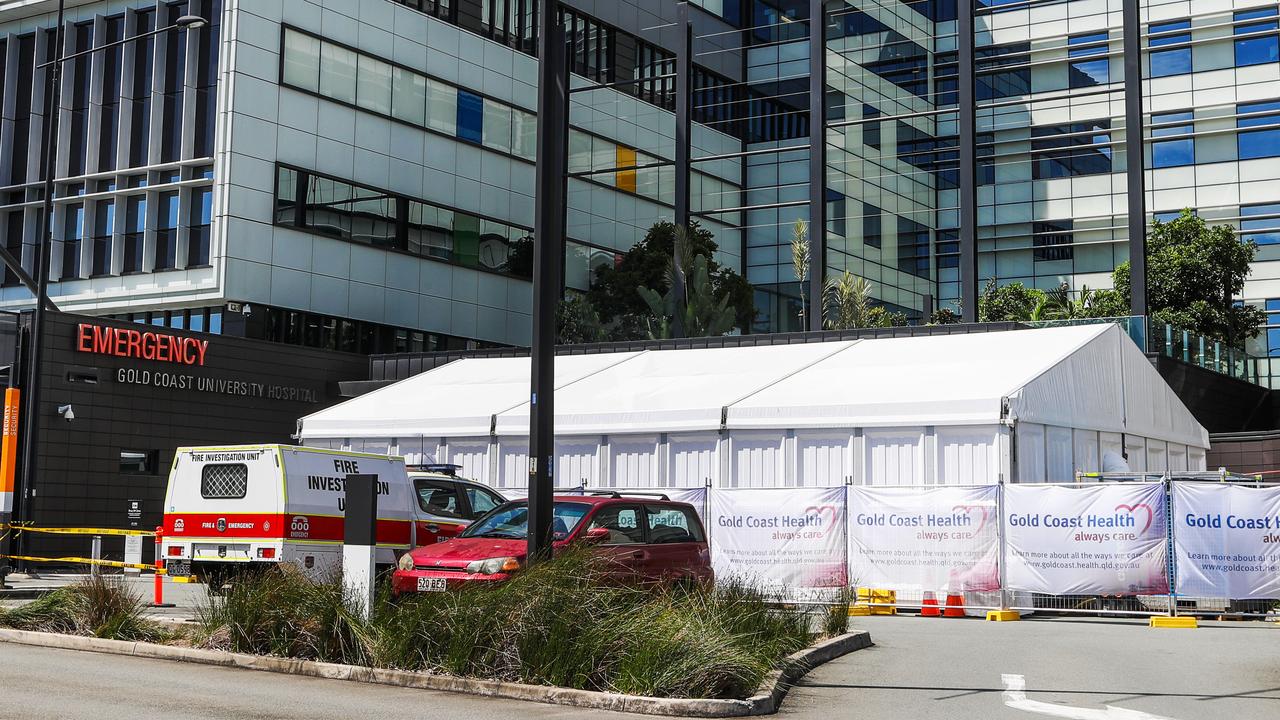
(1086, 540)
(1226, 541)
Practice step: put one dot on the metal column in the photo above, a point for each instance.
(967, 126)
(817, 161)
(549, 232)
(684, 148)
(1133, 152)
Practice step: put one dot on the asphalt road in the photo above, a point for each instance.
(944, 669)
(920, 668)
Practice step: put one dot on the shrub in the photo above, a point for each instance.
(559, 623)
(99, 605)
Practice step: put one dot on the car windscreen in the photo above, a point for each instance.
(511, 521)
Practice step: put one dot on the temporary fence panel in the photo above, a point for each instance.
(1085, 451)
(967, 455)
(1030, 452)
(785, 540)
(823, 458)
(935, 539)
(757, 459)
(893, 456)
(633, 461)
(1226, 540)
(692, 459)
(1098, 539)
(1058, 448)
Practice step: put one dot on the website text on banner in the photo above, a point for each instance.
(1226, 541)
(788, 541)
(1086, 540)
(925, 539)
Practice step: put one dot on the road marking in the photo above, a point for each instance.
(1015, 696)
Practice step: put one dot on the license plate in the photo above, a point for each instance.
(427, 584)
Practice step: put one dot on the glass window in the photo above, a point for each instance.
(147, 462)
(622, 522)
(301, 60)
(135, 230)
(72, 233)
(470, 117)
(481, 500)
(1095, 71)
(524, 134)
(201, 217)
(328, 207)
(166, 231)
(442, 107)
(1071, 150)
(373, 85)
(579, 151)
(338, 73)
(512, 521)
(1260, 224)
(1179, 147)
(430, 232)
(497, 126)
(672, 525)
(870, 225)
(438, 497)
(1175, 61)
(409, 96)
(1261, 48)
(103, 227)
(1261, 143)
(223, 480)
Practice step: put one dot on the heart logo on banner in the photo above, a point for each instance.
(968, 511)
(819, 510)
(1139, 506)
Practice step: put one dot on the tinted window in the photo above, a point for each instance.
(1175, 61)
(481, 500)
(512, 521)
(622, 522)
(673, 525)
(438, 497)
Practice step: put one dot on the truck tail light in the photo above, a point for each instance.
(267, 553)
(175, 550)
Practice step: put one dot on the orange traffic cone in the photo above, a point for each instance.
(929, 607)
(955, 605)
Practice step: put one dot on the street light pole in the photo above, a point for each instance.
(35, 336)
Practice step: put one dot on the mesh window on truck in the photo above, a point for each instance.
(224, 481)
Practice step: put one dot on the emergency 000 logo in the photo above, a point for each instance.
(300, 527)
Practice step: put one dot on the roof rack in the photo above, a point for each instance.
(617, 494)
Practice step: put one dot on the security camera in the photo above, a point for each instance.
(66, 412)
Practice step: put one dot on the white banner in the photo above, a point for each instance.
(786, 540)
(1226, 541)
(1091, 540)
(937, 538)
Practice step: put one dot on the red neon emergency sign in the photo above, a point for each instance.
(145, 345)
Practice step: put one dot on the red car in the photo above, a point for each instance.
(653, 539)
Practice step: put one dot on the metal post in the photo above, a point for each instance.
(817, 161)
(967, 110)
(1201, 363)
(1170, 566)
(95, 554)
(1186, 346)
(52, 106)
(1135, 173)
(1000, 540)
(684, 150)
(549, 224)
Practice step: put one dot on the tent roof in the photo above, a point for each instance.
(1090, 377)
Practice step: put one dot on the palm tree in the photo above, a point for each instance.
(701, 314)
(800, 260)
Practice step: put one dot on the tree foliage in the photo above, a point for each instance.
(700, 312)
(800, 261)
(647, 264)
(848, 305)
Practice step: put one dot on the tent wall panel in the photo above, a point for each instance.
(1029, 447)
(1078, 390)
(1110, 444)
(633, 461)
(967, 456)
(1157, 461)
(1177, 457)
(473, 455)
(1085, 453)
(513, 462)
(823, 459)
(692, 460)
(577, 462)
(757, 459)
(894, 456)
(1135, 448)
(1059, 466)
(1196, 459)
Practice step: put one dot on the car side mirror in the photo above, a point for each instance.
(596, 536)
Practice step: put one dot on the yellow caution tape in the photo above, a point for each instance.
(79, 531)
(87, 561)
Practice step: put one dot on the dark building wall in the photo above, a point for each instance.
(1246, 453)
(1222, 404)
(246, 392)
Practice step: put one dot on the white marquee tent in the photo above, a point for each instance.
(1024, 406)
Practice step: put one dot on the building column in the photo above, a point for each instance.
(817, 162)
(683, 149)
(967, 127)
(1134, 162)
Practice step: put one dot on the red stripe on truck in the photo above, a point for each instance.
(276, 526)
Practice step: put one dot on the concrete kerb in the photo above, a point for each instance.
(764, 702)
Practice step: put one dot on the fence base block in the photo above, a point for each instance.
(1003, 615)
(859, 611)
(1182, 621)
